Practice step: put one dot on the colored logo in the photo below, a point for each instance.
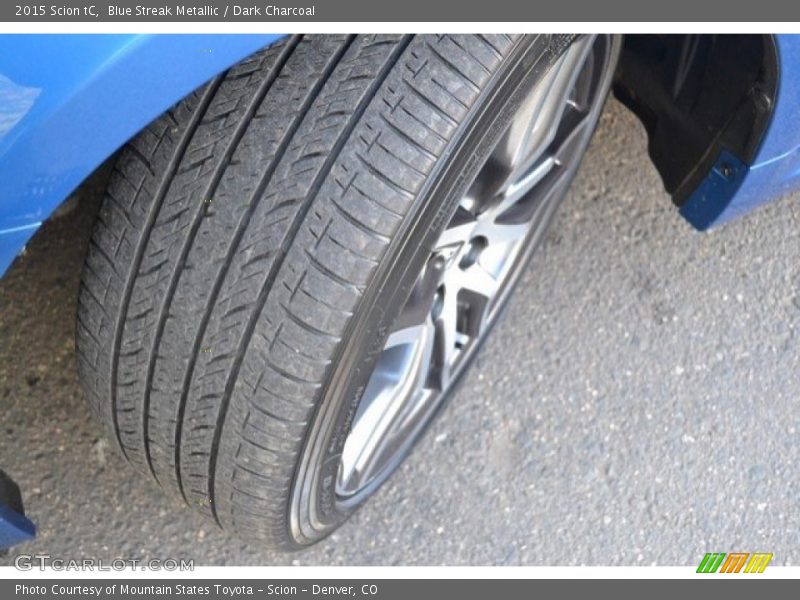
(735, 562)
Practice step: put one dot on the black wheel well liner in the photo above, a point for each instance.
(698, 94)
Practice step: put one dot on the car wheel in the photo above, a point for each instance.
(293, 265)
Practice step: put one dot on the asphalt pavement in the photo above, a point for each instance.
(637, 404)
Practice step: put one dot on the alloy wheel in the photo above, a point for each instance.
(467, 277)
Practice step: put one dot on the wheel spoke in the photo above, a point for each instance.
(518, 190)
(562, 144)
(546, 113)
(421, 359)
(501, 233)
(545, 196)
(404, 336)
(445, 340)
(418, 306)
(478, 280)
(570, 134)
(521, 133)
(377, 419)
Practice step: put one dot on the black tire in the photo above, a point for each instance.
(254, 243)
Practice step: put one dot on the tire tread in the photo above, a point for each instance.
(239, 233)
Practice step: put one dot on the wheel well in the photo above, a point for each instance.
(698, 94)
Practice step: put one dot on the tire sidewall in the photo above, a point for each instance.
(314, 509)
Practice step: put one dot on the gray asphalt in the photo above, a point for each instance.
(636, 405)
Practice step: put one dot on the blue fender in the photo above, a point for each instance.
(68, 102)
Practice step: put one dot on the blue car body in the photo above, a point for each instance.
(67, 102)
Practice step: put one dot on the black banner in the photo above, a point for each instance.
(443, 11)
(382, 589)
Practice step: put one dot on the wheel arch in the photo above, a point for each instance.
(68, 102)
(719, 111)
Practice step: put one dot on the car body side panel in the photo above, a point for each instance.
(733, 188)
(68, 102)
